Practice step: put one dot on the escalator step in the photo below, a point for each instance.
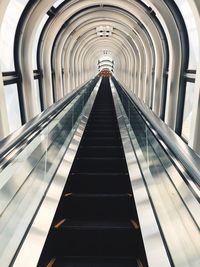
(96, 222)
(96, 238)
(102, 133)
(101, 141)
(102, 126)
(105, 165)
(95, 183)
(100, 151)
(103, 121)
(95, 262)
(98, 206)
(105, 116)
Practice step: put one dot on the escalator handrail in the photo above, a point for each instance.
(16, 138)
(188, 158)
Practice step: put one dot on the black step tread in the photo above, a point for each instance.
(100, 225)
(103, 121)
(101, 126)
(95, 183)
(101, 141)
(102, 133)
(99, 206)
(102, 147)
(95, 262)
(99, 112)
(102, 138)
(101, 159)
(96, 174)
(97, 240)
(75, 195)
(99, 151)
(104, 165)
(108, 131)
(103, 117)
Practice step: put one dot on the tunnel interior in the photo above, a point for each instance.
(99, 118)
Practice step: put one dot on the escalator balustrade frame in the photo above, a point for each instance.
(38, 231)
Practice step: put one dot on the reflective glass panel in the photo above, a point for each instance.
(38, 95)
(25, 179)
(189, 96)
(12, 104)
(8, 28)
(174, 202)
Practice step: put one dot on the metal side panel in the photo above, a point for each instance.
(153, 243)
(35, 239)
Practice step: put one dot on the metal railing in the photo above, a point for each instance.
(33, 127)
(182, 152)
(170, 174)
(30, 160)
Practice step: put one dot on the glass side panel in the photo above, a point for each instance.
(38, 94)
(175, 201)
(12, 105)
(28, 171)
(8, 28)
(189, 96)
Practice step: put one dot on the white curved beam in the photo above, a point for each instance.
(172, 33)
(194, 140)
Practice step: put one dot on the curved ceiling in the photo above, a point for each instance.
(147, 42)
(142, 38)
(71, 43)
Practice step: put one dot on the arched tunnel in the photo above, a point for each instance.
(99, 133)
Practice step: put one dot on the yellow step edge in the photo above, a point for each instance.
(135, 225)
(59, 223)
(68, 194)
(50, 264)
(139, 263)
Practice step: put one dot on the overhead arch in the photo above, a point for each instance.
(52, 31)
(153, 33)
(147, 43)
(148, 24)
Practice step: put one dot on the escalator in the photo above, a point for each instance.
(96, 223)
